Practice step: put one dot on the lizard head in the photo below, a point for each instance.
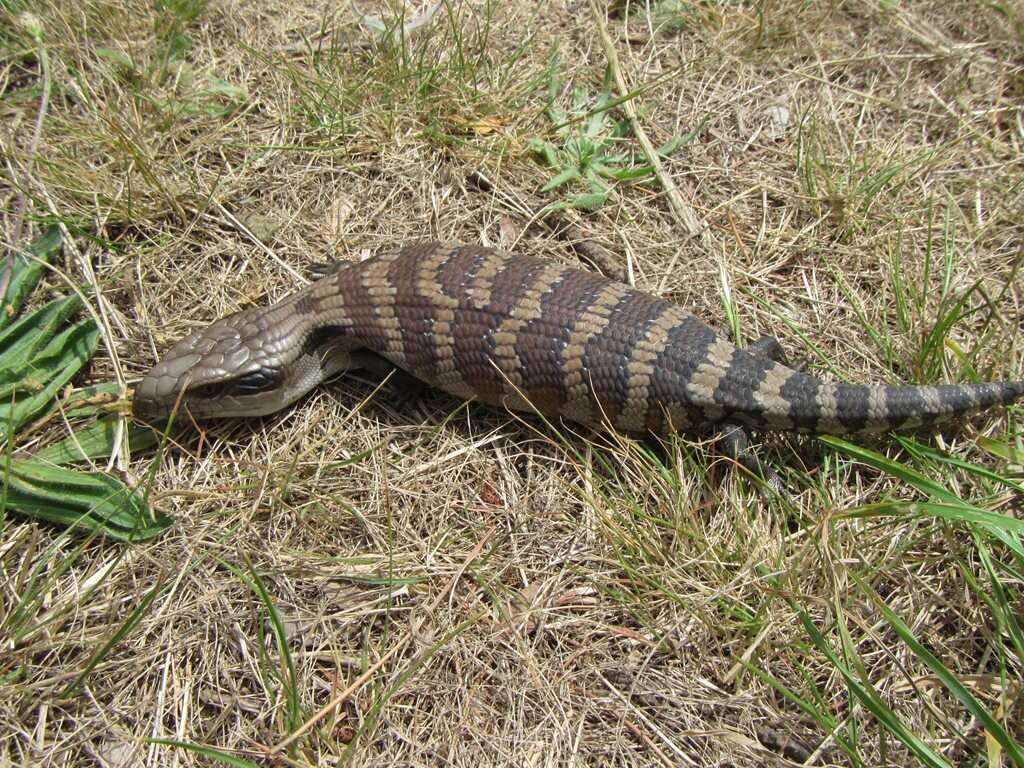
(251, 363)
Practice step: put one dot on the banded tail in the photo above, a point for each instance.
(785, 399)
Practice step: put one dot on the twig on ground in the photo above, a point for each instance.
(682, 212)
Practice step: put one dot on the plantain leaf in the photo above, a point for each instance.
(21, 341)
(39, 354)
(26, 269)
(45, 374)
(86, 501)
(624, 174)
(588, 200)
(546, 150)
(95, 442)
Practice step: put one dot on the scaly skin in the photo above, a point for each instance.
(528, 335)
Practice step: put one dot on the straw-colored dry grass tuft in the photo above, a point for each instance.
(483, 589)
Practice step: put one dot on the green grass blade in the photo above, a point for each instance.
(926, 452)
(1001, 448)
(869, 698)
(900, 471)
(899, 289)
(934, 343)
(732, 321)
(963, 513)
(824, 720)
(289, 680)
(210, 752)
(948, 679)
(949, 506)
(1000, 603)
(129, 624)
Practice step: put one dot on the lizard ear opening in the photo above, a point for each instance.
(322, 336)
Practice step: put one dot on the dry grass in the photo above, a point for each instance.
(543, 602)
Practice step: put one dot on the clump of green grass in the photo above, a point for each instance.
(666, 17)
(355, 85)
(989, 557)
(850, 189)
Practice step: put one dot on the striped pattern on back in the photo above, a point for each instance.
(528, 334)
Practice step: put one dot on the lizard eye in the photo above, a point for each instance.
(253, 383)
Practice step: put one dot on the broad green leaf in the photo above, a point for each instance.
(95, 442)
(115, 56)
(25, 272)
(47, 373)
(624, 174)
(557, 115)
(87, 501)
(39, 354)
(90, 401)
(597, 121)
(589, 200)
(218, 87)
(579, 99)
(597, 185)
(25, 338)
(673, 145)
(546, 150)
(178, 45)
